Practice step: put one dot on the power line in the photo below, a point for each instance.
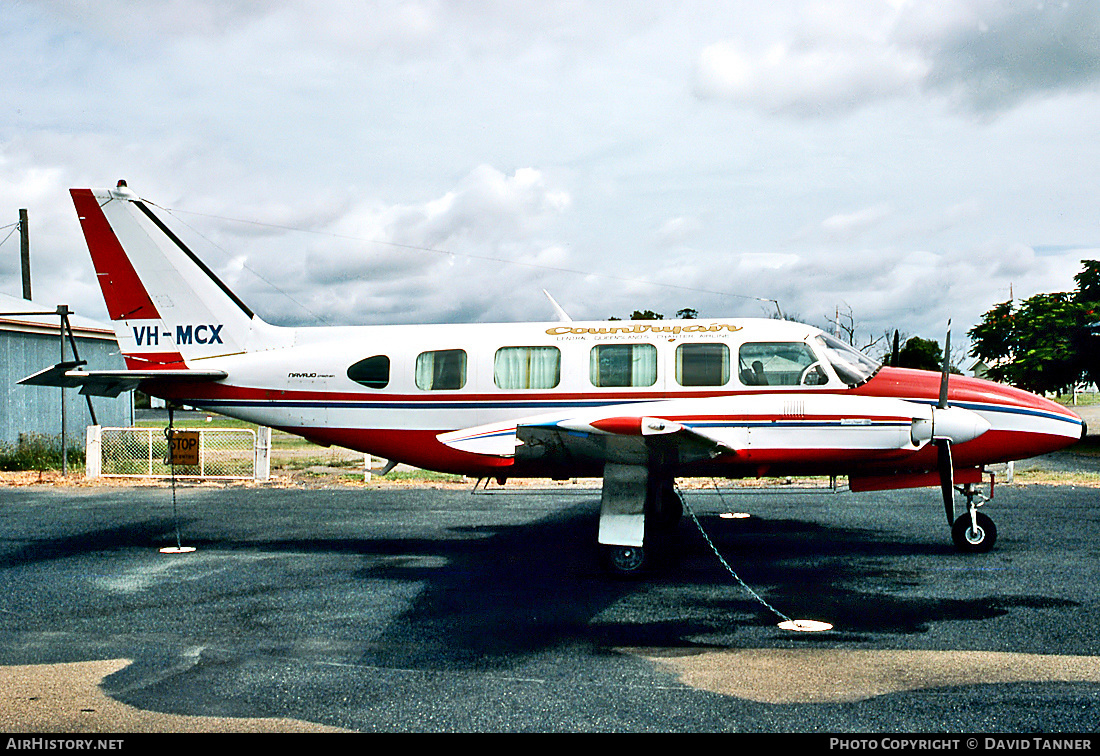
(14, 227)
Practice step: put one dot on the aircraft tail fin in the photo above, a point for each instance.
(166, 306)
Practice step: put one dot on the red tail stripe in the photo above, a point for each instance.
(123, 291)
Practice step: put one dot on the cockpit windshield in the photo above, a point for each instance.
(851, 365)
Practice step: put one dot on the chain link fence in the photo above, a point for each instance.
(224, 453)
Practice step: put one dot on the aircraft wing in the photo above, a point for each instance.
(111, 382)
(618, 433)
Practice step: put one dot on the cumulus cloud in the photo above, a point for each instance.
(1010, 51)
(432, 260)
(981, 54)
(489, 212)
(821, 75)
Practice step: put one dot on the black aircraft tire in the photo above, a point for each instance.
(625, 561)
(974, 543)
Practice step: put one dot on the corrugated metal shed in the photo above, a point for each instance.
(29, 343)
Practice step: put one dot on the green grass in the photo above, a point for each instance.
(424, 476)
(215, 421)
(1058, 477)
(38, 452)
(304, 463)
(1083, 400)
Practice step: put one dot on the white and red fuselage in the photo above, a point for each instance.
(773, 430)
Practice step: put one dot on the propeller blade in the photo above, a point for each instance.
(946, 368)
(895, 353)
(947, 479)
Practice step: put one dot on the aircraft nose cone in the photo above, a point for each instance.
(957, 425)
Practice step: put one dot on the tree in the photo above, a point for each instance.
(646, 315)
(1088, 337)
(1088, 283)
(994, 340)
(892, 357)
(922, 354)
(687, 313)
(1044, 344)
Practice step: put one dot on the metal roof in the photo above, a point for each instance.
(21, 315)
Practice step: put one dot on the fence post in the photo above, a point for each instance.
(93, 452)
(261, 462)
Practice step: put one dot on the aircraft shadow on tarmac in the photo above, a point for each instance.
(523, 588)
(127, 535)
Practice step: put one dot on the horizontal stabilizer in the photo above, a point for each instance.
(111, 382)
(55, 376)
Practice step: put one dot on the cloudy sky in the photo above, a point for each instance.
(345, 161)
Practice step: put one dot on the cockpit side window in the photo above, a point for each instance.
(851, 365)
(779, 363)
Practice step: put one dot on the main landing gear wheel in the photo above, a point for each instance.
(970, 540)
(625, 561)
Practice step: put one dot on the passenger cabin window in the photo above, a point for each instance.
(702, 364)
(527, 367)
(622, 365)
(373, 372)
(779, 364)
(441, 371)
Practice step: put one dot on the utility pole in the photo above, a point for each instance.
(25, 253)
(63, 312)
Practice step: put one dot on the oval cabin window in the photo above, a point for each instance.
(373, 372)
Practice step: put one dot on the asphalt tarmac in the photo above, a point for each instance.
(412, 610)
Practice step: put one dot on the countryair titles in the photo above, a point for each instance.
(637, 328)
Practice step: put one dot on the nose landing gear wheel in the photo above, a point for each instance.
(974, 541)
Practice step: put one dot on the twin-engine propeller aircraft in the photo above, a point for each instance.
(636, 403)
